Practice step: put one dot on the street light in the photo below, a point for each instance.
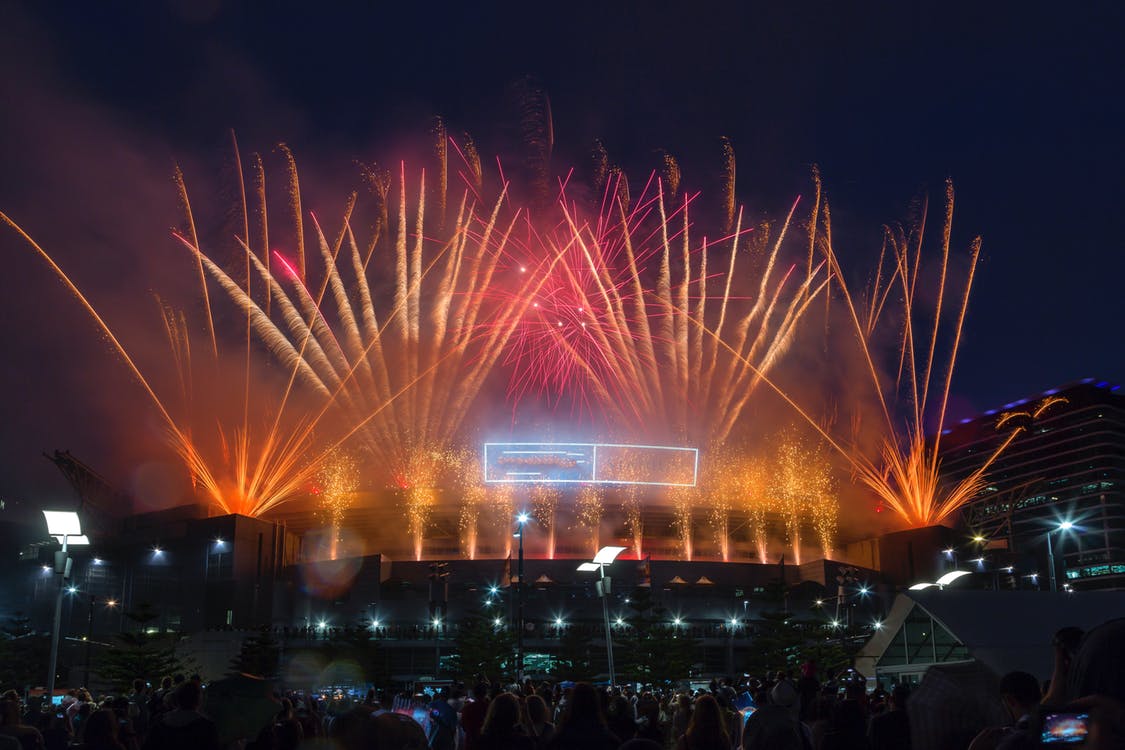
(521, 520)
(1064, 526)
(605, 556)
(66, 527)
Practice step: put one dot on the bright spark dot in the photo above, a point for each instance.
(523, 269)
(560, 324)
(535, 304)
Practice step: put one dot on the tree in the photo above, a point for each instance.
(144, 653)
(259, 655)
(574, 661)
(24, 654)
(482, 648)
(650, 648)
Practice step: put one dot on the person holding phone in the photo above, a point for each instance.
(1020, 694)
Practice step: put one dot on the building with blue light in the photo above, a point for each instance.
(1058, 488)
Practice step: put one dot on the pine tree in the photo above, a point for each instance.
(141, 653)
(24, 654)
(650, 648)
(482, 649)
(259, 655)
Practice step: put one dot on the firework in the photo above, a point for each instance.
(588, 512)
(337, 482)
(544, 509)
(246, 459)
(598, 328)
(906, 477)
(402, 372)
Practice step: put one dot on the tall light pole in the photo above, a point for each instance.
(521, 520)
(1064, 526)
(605, 556)
(66, 528)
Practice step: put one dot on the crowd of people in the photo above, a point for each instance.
(801, 710)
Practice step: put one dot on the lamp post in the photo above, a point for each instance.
(521, 520)
(66, 528)
(605, 556)
(1064, 526)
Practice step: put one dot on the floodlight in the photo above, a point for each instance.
(73, 541)
(606, 555)
(62, 523)
(588, 567)
(920, 586)
(951, 576)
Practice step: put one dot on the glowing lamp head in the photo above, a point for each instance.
(677, 622)
(820, 602)
(734, 622)
(72, 589)
(877, 625)
(321, 625)
(496, 622)
(835, 623)
(978, 539)
(374, 624)
(494, 590)
(559, 622)
(522, 518)
(620, 621)
(111, 603)
(1066, 526)
(864, 590)
(436, 621)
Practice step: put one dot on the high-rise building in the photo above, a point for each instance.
(1058, 488)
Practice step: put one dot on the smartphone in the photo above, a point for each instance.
(1061, 727)
(57, 699)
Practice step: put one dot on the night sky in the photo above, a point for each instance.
(1020, 103)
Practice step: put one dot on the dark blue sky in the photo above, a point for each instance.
(1020, 103)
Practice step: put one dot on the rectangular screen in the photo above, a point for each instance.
(590, 463)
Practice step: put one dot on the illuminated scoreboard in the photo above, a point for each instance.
(590, 463)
